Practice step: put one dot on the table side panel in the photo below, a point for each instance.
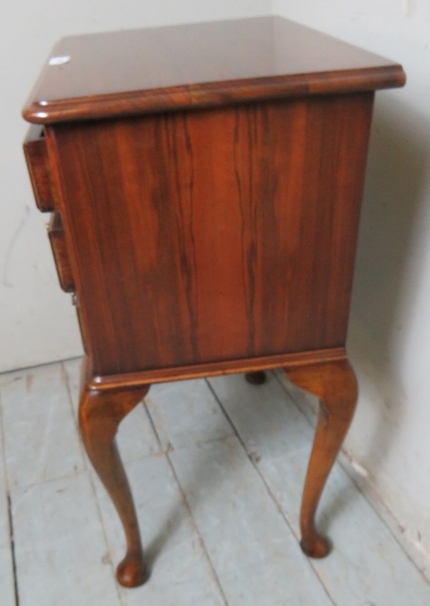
(215, 234)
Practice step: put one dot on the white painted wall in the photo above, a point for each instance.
(390, 330)
(389, 339)
(37, 321)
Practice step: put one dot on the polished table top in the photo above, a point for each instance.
(144, 70)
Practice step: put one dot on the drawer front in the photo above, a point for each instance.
(38, 167)
(59, 250)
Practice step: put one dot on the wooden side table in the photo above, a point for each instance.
(205, 184)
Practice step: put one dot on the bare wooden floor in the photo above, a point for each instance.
(216, 468)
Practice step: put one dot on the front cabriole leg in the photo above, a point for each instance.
(100, 413)
(335, 384)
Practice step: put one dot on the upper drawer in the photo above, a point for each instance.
(36, 156)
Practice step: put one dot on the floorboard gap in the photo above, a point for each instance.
(184, 498)
(343, 460)
(12, 549)
(254, 462)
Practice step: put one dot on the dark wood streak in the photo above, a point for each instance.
(245, 204)
(252, 243)
(160, 199)
(271, 247)
(185, 226)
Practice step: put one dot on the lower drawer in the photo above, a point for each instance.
(59, 250)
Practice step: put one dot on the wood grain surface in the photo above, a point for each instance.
(214, 235)
(202, 64)
(99, 417)
(214, 369)
(36, 156)
(335, 384)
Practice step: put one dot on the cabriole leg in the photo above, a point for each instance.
(334, 383)
(100, 413)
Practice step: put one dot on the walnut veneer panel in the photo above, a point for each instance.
(216, 234)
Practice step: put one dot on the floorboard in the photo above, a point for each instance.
(367, 564)
(6, 567)
(253, 551)
(217, 469)
(41, 442)
(180, 571)
(61, 553)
